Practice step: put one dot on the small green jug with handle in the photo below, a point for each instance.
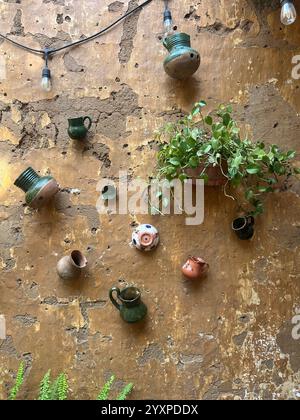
(131, 307)
(77, 128)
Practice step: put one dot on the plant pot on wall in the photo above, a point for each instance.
(71, 266)
(183, 61)
(38, 189)
(196, 144)
(214, 173)
(244, 227)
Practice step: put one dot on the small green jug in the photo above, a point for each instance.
(183, 61)
(131, 308)
(77, 129)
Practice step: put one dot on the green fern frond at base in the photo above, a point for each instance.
(45, 387)
(62, 387)
(104, 393)
(19, 382)
(125, 392)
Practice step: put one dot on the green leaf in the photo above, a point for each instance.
(249, 194)
(278, 168)
(291, 154)
(194, 112)
(237, 161)
(215, 144)
(202, 104)
(253, 169)
(208, 120)
(263, 189)
(207, 148)
(175, 162)
(195, 133)
(194, 162)
(183, 177)
(170, 170)
(226, 119)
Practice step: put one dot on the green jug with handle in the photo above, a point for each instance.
(130, 305)
(77, 128)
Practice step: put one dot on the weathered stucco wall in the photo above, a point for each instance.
(226, 337)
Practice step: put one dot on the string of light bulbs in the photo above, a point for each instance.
(288, 17)
(48, 52)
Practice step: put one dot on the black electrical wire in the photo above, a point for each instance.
(49, 51)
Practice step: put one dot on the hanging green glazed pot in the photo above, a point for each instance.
(38, 189)
(183, 61)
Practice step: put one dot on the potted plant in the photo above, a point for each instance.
(211, 147)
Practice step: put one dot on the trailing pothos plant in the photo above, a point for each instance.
(203, 141)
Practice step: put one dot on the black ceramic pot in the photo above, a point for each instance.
(244, 227)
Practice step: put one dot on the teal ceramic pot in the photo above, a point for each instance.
(131, 307)
(183, 61)
(77, 129)
(38, 190)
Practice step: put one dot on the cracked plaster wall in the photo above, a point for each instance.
(226, 337)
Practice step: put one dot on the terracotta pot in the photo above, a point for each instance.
(194, 268)
(71, 266)
(214, 173)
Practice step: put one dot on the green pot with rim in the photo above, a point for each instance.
(38, 189)
(183, 60)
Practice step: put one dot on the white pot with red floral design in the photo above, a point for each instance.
(145, 237)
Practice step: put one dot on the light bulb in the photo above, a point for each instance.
(288, 12)
(46, 80)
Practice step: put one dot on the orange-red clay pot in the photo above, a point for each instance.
(214, 173)
(194, 268)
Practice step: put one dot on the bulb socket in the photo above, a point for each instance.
(167, 15)
(46, 73)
